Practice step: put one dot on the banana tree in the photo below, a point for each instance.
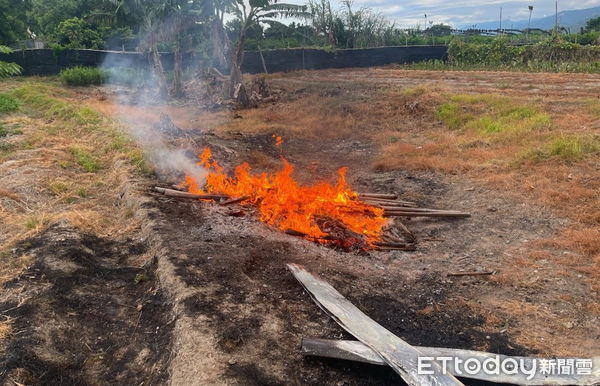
(250, 12)
(8, 68)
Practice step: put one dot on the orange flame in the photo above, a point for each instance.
(278, 140)
(287, 205)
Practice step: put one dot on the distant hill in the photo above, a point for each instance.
(573, 19)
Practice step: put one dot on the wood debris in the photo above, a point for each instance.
(398, 354)
(356, 351)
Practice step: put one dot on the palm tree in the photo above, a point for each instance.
(250, 12)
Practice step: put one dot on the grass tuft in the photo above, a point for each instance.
(85, 159)
(568, 148)
(83, 76)
(8, 104)
(38, 97)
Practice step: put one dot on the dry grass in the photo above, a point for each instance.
(52, 173)
(516, 147)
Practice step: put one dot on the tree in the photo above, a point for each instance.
(439, 30)
(46, 15)
(593, 25)
(77, 33)
(250, 13)
(13, 20)
(324, 20)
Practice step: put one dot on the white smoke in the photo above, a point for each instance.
(140, 92)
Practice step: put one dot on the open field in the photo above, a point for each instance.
(94, 259)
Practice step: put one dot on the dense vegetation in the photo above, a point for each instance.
(181, 26)
(552, 55)
(118, 24)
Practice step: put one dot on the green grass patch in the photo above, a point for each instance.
(83, 76)
(3, 131)
(85, 159)
(490, 114)
(568, 148)
(8, 103)
(39, 97)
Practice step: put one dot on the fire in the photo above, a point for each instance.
(278, 140)
(283, 203)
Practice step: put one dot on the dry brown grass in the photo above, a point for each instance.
(47, 182)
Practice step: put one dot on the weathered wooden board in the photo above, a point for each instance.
(398, 354)
(356, 351)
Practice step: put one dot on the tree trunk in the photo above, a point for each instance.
(159, 71)
(235, 71)
(221, 44)
(177, 70)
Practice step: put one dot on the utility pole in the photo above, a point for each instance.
(501, 20)
(529, 23)
(556, 17)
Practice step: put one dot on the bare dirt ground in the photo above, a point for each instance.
(222, 309)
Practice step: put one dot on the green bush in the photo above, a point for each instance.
(78, 33)
(8, 104)
(83, 76)
(550, 55)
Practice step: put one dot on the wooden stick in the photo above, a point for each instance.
(390, 244)
(405, 230)
(235, 200)
(389, 203)
(473, 273)
(177, 193)
(294, 233)
(408, 248)
(387, 237)
(422, 210)
(405, 213)
(378, 195)
(398, 354)
(356, 351)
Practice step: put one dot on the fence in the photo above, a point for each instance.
(50, 62)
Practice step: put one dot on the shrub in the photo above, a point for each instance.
(8, 104)
(78, 33)
(549, 55)
(83, 76)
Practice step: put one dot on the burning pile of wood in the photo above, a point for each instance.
(396, 235)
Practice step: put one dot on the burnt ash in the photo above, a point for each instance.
(79, 323)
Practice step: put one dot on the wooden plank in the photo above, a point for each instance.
(398, 354)
(180, 194)
(357, 351)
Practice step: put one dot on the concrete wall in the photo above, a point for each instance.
(50, 62)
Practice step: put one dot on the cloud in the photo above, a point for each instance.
(412, 12)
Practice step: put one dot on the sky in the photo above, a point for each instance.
(409, 13)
